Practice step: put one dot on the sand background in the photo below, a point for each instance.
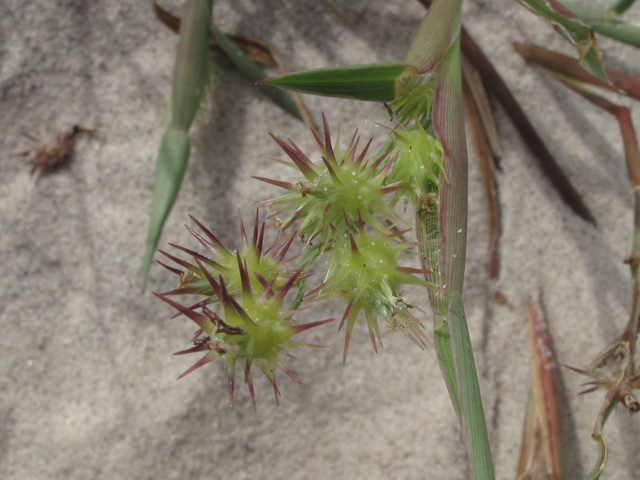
(86, 372)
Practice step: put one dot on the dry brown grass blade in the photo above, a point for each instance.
(498, 88)
(623, 115)
(531, 465)
(570, 67)
(541, 454)
(487, 168)
(256, 49)
(481, 100)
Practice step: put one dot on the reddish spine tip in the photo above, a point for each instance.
(346, 313)
(293, 377)
(202, 258)
(287, 286)
(354, 247)
(331, 171)
(201, 239)
(179, 261)
(363, 153)
(306, 326)
(243, 233)
(244, 276)
(249, 381)
(211, 236)
(327, 139)
(200, 363)
(198, 318)
(216, 287)
(171, 269)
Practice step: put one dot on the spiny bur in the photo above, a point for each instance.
(364, 272)
(266, 264)
(249, 326)
(344, 186)
(418, 163)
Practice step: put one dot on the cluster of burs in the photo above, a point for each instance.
(343, 211)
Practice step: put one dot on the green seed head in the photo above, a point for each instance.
(249, 324)
(419, 162)
(344, 186)
(265, 264)
(364, 272)
(414, 102)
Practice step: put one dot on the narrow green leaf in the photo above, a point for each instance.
(254, 72)
(442, 340)
(374, 82)
(591, 63)
(559, 15)
(170, 167)
(604, 21)
(437, 32)
(191, 70)
(574, 30)
(587, 12)
(473, 421)
(621, 31)
(190, 78)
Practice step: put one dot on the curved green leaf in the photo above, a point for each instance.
(605, 22)
(598, 468)
(472, 413)
(171, 165)
(190, 78)
(622, 6)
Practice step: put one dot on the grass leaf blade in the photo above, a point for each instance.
(448, 123)
(473, 421)
(171, 165)
(442, 340)
(374, 82)
(437, 32)
(190, 78)
(250, 69)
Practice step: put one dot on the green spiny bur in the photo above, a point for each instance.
(250, 325)
(418, 163)
(265, 264)
(344, 186)
(415, 102)
(364, 272)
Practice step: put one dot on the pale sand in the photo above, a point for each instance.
(87, 376)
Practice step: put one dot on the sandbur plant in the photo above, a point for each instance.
(342, 210)
(348, 213)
